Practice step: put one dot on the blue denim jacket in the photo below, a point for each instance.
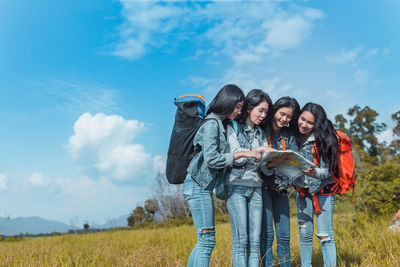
(245, 171)
(279, 181)
(322, 177)
(205, 165)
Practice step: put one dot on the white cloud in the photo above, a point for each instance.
(266, 28)
(3, 181)
(360, 76)
(103, 144)
(344, 57)
(76, 96)
(371, 53)
(334, 94)
(145, 24)
(37, 179)
(289, 31)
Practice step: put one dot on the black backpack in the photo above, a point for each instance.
(188, 118)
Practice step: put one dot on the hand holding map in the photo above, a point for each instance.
(292, 166)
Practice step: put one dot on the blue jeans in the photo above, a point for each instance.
(275, 210)
(201, 206)
(305, 216)
(245, 208)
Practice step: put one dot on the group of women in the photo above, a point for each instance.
(243, 129)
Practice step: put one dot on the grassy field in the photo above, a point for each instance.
(358, 244)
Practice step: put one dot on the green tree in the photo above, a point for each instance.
(340, 123)
(151, 206)
(364, 128)
(395, 145)
(131, 220)
(137, 216)
(86, 226)
(378, 187)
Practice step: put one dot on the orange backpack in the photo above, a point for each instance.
(346, 177)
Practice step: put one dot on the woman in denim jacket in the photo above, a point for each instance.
(202, 170)
(315, 194)
(274, 192)
(243, 183)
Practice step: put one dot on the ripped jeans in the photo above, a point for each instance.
(245, 210)
(201, 206)
(305, 216)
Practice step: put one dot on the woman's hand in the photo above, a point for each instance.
(263, 149)
(278, 161)
(253, 154)
(310, 172)
(247, 154)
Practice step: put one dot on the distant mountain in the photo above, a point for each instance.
(121, 221)
(31, 225)
(36, 225)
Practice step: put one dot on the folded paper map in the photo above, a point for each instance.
(295, 164)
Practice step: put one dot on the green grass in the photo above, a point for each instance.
(359, 243)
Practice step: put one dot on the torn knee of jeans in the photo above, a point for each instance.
(208, 230)
(323, 238)
(302, 224)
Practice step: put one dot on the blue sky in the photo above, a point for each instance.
(87, 87)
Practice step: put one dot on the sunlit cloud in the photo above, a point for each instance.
(344, 56)
(266, 28)
(103, 146)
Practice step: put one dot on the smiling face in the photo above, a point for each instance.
(282, 117)
(257, 114)
(306, 123)
(236, 111)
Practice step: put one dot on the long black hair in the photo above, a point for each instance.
(325, 136)
(225, 101)
(290, 102)
(253, 99)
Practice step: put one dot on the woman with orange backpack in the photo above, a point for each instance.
(316, 188)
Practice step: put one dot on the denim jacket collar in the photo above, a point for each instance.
(249, 130)
(310, 139)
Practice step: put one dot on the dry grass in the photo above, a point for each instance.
(358, 244)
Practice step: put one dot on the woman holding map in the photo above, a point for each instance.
(243, 182)
(315, 188)
(202, 170)
(283, 136)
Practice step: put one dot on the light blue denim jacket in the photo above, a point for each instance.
(205, 165)
(322, 177)
(279, 179)
(245, 171)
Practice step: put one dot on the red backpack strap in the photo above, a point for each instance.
(269, 141)
(302, 194)
(315, 154)
(283, 143)
(316, 204)
(302, 191)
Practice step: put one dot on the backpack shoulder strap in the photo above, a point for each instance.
(269, 140)
(235, 126)
(283, 143)
(214, 119)
(315, 154)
